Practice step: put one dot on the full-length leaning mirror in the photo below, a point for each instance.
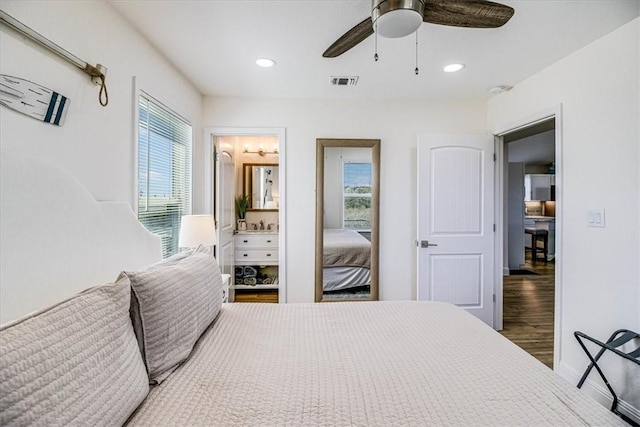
(347, 226)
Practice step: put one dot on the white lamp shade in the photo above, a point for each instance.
(197, 230)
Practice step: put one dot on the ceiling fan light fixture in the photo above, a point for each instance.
(265, 62)
(397, 18)
(452, 68)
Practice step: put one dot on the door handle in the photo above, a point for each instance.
(426, 244)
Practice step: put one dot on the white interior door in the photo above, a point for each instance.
(455, 221)
(225, 214)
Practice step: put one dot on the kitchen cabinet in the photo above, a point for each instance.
(538, 187)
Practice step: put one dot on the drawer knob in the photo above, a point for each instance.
(268, 241)
(245, 241)
(268, 254)
(245, 254)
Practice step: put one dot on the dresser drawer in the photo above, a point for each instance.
(257, 255)
(256, 241)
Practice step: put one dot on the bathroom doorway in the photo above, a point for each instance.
(234, 153)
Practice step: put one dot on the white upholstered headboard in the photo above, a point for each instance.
(57, 240)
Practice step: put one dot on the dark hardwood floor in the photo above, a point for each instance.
(528, 310)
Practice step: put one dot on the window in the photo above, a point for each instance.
(164, 171)
(356, 195)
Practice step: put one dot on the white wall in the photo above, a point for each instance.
(396, 124)
(598, 87)
(96, 143)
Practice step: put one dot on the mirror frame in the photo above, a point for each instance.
(246, 183)
(374, 144)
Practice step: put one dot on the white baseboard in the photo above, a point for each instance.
(596, 391)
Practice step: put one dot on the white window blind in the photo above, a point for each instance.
(164, 171)
(356, 195)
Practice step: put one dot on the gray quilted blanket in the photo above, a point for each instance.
(362, 364)
(345, 248)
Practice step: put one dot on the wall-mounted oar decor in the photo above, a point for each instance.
(35, 100)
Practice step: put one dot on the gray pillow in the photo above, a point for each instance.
(173, 302)
(76, 363)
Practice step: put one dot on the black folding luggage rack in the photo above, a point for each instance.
(618, 339)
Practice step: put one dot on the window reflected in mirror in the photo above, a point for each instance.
(356, 194)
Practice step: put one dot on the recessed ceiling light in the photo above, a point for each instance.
(265, 62)
(452, 68)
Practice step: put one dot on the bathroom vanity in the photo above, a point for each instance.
(256, 260)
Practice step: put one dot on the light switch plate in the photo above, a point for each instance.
(595, 218)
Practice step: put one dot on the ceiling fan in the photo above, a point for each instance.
(399, 18)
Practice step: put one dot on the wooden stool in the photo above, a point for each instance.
(538, 236)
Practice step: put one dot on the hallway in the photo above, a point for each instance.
(528, 310)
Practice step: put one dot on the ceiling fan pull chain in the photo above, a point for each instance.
(375, 55)
(417, 71)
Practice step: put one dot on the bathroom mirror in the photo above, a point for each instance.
(260, 182)
(347, 225)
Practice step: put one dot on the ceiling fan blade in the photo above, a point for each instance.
(350, 39)
(467, 13)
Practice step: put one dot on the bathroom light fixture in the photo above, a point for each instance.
(452, 68)
(265, 62)
(261, 151)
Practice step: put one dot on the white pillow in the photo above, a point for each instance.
(76, 363)
(173, 303)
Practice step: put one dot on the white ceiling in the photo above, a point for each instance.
(215, 45)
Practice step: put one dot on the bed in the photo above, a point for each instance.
(346, 260)
(362, 363)
(157, 346)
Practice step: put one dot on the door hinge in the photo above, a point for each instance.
(494, 297)
(494, 157)
(494, 228)
(216, 156)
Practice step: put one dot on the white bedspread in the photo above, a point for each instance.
(362, 363)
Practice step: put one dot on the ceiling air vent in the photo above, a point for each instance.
(344, 81)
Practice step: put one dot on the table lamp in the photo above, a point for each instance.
(197, 230)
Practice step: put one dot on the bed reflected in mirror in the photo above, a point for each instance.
(347, 205)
